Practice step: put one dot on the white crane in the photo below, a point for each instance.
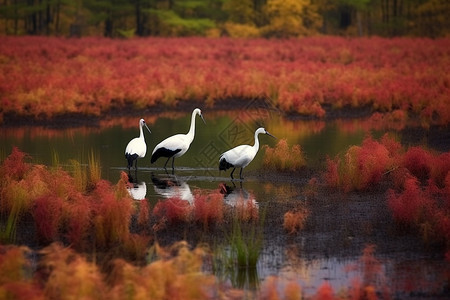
(136, 148)
(241, 156)
(176, 145)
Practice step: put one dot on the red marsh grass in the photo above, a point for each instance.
(44, 77)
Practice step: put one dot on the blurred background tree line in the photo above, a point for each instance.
(235, 18)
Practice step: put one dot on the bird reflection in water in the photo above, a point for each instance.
(245, 208)
(237, 196)
(138, 190)
(170, 186)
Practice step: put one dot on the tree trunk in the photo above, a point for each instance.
(139, 24)
(58, 4)
(108, 26)
(385, 10)
(394, 9)
(6, 19)
(359, 22)
(48, 18)
(16, 18)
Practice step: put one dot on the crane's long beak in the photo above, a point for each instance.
(270, 135)
(201, 116)
(147, 127)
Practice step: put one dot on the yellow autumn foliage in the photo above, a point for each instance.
(291, 18)
(237, 30)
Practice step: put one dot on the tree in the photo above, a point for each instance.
(240, 11)
(12, 13)
(431, 18)
(289, 18)
(140, 7)
(184, 18)
(115, 15)
(359, 6)
(241, 18)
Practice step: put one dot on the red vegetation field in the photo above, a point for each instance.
(361, 166)
(61, 209)
(43, 77)
(419, 198)
(425, 209)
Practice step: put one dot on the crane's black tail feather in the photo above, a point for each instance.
(224, 165)
(163, 152)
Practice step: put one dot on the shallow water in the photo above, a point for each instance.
(198, 170)
(222, 131)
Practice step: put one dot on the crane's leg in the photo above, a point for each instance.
(240, 174)
(166, 162)
(232, 173)
(135, 164)
(173, 169)
(129, 164)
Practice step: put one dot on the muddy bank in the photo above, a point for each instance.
(232, 104)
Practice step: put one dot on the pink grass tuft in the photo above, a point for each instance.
(47, 212)
(14, 166)
(174, 210)
(325, 292)
(209, 208)
(418, 161)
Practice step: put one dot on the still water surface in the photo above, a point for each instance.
(221, 132)
(198, 169)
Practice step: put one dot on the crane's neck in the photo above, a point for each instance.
(256, 145)
(191, 132)
(141, 131)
